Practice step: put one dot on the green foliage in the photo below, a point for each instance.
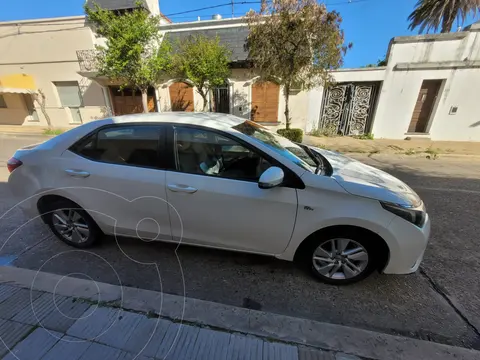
(441, 14)
(295, 135)
(51, 131)
(380, 62)
(368, 136)
(410, 152)
(297, 45)
(135, 54)
(204, 62)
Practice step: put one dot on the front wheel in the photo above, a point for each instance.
(341, 259)
(71, 224)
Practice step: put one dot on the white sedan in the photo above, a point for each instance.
(223, 182)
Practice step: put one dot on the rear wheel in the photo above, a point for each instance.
(341, 258)
(71, 224)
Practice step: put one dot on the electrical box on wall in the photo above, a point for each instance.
(453, 110)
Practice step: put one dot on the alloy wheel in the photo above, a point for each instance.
(340, 259)
(71, 225)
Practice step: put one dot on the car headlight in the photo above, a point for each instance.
(415, 215)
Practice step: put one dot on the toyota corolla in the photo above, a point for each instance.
(223, 182)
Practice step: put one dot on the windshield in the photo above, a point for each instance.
(279, 144)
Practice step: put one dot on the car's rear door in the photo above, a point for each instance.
(213, 189)
(118, 176)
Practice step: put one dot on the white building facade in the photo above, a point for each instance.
(429, 88)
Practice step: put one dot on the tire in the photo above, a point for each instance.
(356, 262)
(71, 224)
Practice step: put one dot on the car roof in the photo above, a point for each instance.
(213, 120)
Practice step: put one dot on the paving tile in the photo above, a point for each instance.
(122, 329)
(244, 348)
(278, 351)
(129, 356)
(67, 348)
(167, 343)
(36, 345)
(94, 323)
(147, 337)
(40, 308)
(68, 311)
(211, 345)
(17, 302)
(314, 354)
(11, 333)
(100, 352)
(6, 291)
(183, 343)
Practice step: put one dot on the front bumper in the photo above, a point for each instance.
(407, 244)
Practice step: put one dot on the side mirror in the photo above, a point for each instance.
(270, 178)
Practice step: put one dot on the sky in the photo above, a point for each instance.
(368, 24)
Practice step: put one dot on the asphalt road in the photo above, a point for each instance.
(440, 303)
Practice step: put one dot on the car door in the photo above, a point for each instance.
(213, 191)
(117, 175)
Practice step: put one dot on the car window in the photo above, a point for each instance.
(204, 152)
(130, 145)
(277, 143)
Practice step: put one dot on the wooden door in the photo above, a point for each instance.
(127, 101)
(181, 97)
(265, 101)
(426, 100)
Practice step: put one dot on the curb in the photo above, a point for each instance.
(362, 343)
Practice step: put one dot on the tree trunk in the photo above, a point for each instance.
(144, 100)
(41, 99)
(286, 94)
(205, 100)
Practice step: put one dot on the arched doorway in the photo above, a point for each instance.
(181, 97)
(265, 97)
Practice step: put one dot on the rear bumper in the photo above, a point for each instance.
(407, 244)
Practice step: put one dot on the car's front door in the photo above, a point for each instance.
(117, 175)
(215, 199)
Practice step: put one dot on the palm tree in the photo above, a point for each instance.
(435, 14)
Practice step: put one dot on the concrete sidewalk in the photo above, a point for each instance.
(47, 316)
(347, 144)
(41, 325)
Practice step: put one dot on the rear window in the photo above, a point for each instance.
(127, 145)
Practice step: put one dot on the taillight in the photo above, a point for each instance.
(13, 163)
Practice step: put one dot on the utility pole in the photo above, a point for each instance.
(233, 12)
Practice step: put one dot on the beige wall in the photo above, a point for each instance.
(46, 50)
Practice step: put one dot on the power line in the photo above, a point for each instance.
(213, 7)
(344, 2)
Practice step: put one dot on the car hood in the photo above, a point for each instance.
(364, 180)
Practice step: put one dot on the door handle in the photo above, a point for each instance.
(77, 173)
(181, 188)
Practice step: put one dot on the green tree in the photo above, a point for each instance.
(441, 14)
(204, 62)
(296, 45)
(380, 62)
(135, 54)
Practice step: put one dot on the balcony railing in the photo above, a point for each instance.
(87, 60)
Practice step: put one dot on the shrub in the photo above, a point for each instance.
(295, 135)
(368, 136)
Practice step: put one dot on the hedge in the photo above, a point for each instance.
(295, 135)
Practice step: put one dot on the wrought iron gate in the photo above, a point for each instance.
(221, 99)
(347, 108)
